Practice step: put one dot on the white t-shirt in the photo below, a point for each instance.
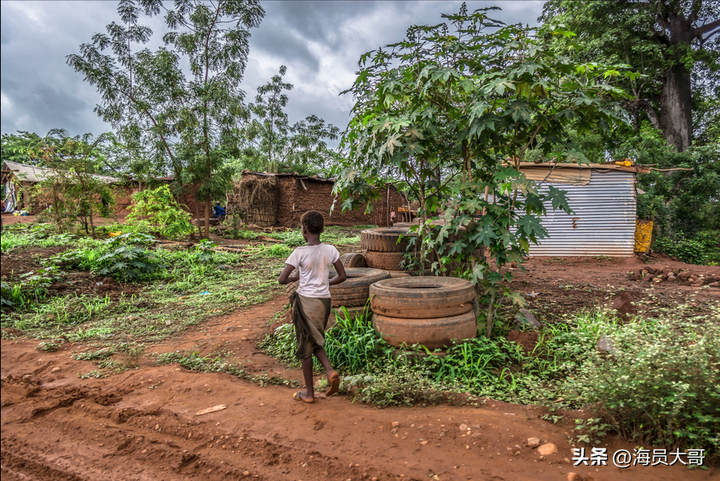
(314, 263)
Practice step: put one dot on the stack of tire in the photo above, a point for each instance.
(354, 292)
(385, 248)
(427, 310)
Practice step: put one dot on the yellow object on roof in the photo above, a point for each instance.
(624, 162)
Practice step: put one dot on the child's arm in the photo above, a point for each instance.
(286, 278)
(341, 276)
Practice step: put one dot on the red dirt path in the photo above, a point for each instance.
(141, 425)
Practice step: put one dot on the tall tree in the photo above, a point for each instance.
(674, 43)
(187, 122)
(280, 146)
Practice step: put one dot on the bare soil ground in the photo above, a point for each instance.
(142, 424)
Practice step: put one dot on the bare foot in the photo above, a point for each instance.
(333, 383)
(303, 396)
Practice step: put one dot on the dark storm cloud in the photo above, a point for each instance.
(320, 43)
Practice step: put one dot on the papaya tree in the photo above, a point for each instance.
(451, 111)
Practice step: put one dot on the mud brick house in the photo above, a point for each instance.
(21, 180)
(279, 200)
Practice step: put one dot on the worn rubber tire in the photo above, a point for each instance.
(388, 261)
(431, 333)
(423, 297)
(394, 274)
(385, 239)
(357, 284)
(353, 259)
(353, 302)
(384, 260)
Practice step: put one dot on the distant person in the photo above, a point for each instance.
(311, 301)
(218, 212)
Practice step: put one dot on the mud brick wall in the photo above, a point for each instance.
(297, 196)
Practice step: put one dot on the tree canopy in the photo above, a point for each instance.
(452, 110)
(189, 123)
(674, 44)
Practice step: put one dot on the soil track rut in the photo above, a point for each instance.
(141, 425)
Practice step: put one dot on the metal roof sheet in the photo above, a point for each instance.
(31, 173)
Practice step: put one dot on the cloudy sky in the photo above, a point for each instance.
(320, 43)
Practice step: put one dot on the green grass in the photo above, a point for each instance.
(194, 285)
(293, 238)
(660, 387)
(217, 362)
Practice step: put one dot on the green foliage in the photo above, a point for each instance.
(76, 189)
(444, 109)
(275, 250)
(217, 363)
(692, 251)
(20, 147)
(277, 146)
(157, 211)
(668, 42)
(12, 295)
(28, 288)
(353, 345)
(119, 258)
(660, 387)
(177, 106)
(35, 236)
(472, 363)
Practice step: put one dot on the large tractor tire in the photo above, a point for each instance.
(385, 239)
(423, 297)
(356, 288)
(431, 333)
(353, 259)
(389, 261)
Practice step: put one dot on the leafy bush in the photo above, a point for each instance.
(158, 211)
(704, 248)
(119, 258)
(12, 295)
(660, 387)
(128, 264)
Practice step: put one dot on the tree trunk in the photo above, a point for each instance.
(675, 108)
(207, 216)
(56, 208)
(92, 224)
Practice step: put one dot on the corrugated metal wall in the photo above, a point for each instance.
(603, 222)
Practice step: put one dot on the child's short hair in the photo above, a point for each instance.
(313, 221)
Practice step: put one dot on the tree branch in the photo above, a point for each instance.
(649, 110)
(712, 27)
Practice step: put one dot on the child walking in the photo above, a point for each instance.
(311, 302)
